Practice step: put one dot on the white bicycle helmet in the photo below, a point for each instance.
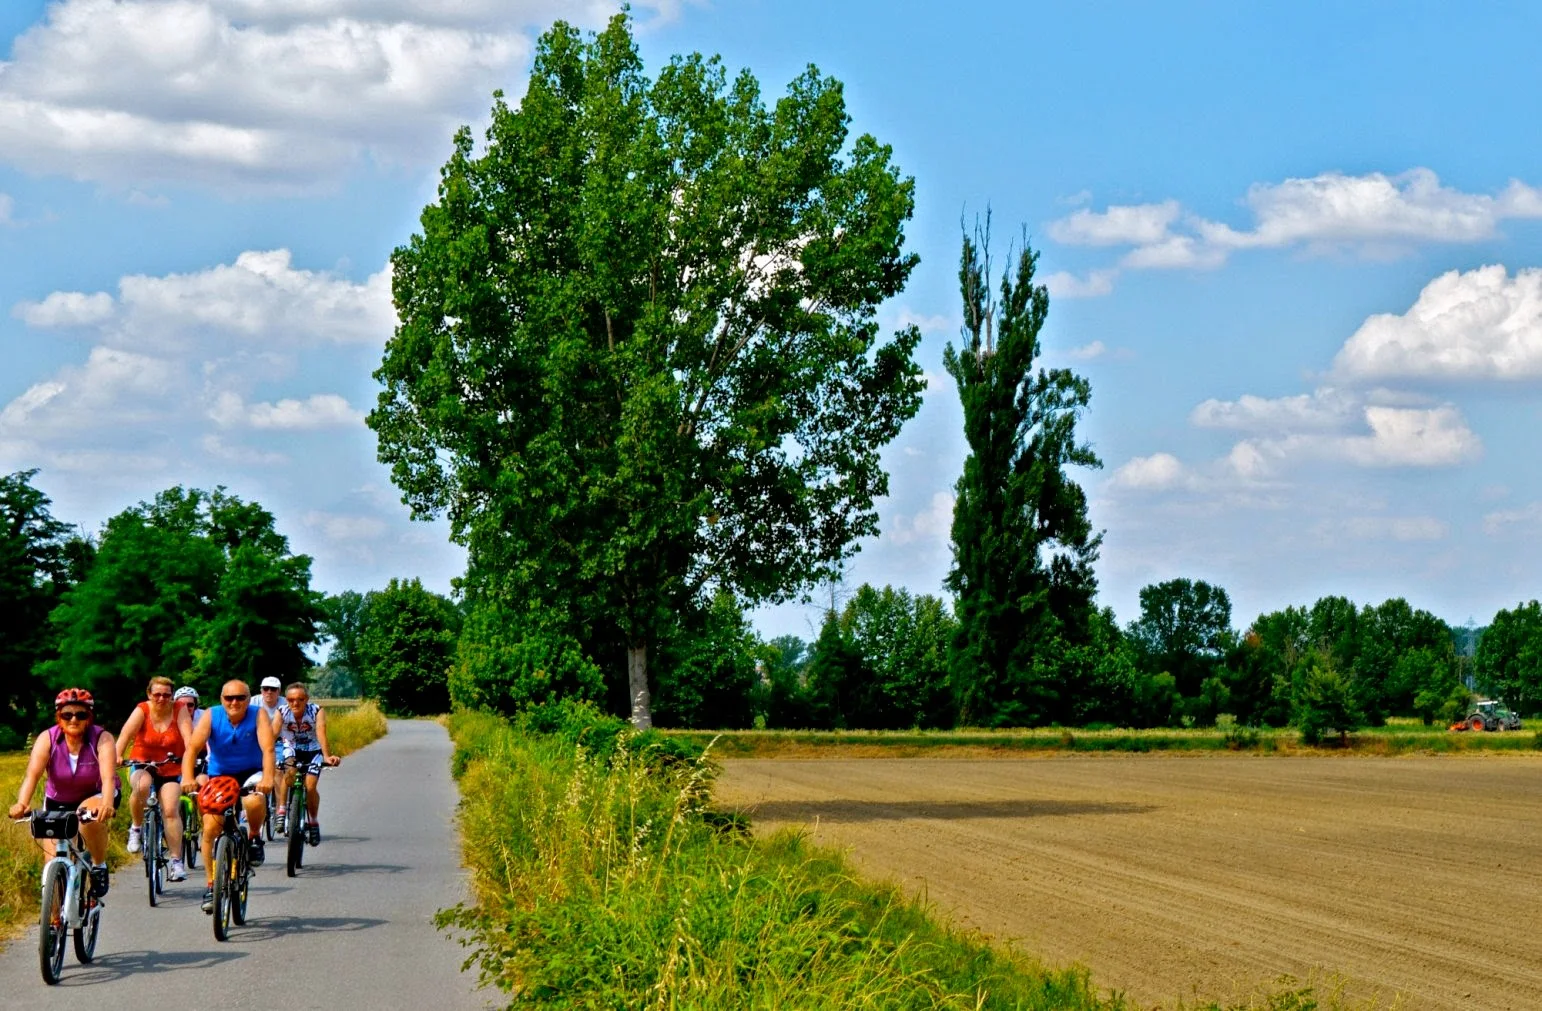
(185, 692)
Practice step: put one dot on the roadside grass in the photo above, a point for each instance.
(1398, 737)
(348, 730)
(602, 879)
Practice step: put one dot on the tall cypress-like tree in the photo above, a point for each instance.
(1023, 547)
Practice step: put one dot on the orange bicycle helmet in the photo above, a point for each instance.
(78, 696)
(218, 794)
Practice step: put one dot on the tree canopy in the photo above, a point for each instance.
(638, 358)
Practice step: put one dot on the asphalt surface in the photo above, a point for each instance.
(353, 930)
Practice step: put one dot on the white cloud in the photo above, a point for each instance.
(1088, 352)
(932, 525)
(340, 527)
(1063, 284)
(1157, 472)
(66, 309)
(1324, 409)
(1371, 215)
(243, 455)
(926, 324)
(1481, 324)
(1404, 529)
(240, 94)
(7, 208)
(1398, 437)
(323, 410)
(1496, 523)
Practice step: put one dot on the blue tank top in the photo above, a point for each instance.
(233, 749)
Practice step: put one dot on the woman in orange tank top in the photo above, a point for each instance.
(158, 730)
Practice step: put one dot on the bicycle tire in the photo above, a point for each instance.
(294, 850)
(52, 928)
(85, 934)
(150, 839)
(192, 833)
(223, 858)
(241, 886)
(269, 822)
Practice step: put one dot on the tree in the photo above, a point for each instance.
(1023, 547)
(264, 614)
(1322, 700)
(638, 357)
(782, 699)
(1509, 657)
(508, 661)
(707, 670)
(406, 648)
(36, 568)
(342, 623)
(1184, 629)
(903, 642)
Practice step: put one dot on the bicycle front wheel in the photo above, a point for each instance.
(240, 886)
(191, 829)
(150, 839)
(224, 865)
(85, 934)
(52, 927)
(295, 848)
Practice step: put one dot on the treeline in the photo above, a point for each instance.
(196, 586)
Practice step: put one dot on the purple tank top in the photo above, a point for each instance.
(71, 786)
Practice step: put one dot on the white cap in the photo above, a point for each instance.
(272, 683)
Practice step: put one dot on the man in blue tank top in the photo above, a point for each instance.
(240, 745)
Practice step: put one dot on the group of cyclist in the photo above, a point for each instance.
(177, 748)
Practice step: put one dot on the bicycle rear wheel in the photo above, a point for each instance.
(224, 864)
(240, 886)
(52, 928)
(85, 934)
(150, 839)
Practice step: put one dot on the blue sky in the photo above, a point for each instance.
(1298, 253)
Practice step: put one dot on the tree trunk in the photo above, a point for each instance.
(637, 681)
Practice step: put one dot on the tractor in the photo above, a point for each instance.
(1488, 714)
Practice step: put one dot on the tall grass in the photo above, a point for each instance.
(348, 730)
(603, 880)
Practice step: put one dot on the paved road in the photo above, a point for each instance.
(353, 930)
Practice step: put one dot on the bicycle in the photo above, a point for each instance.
(232, 871)
(294, 827)
(192, 831)
(152, 839)
(67, 905)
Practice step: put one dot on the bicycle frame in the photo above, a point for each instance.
(78, 868)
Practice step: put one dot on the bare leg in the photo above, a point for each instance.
(256, 813)
(171, 816)
(312, 796)
(212, 825)
(137, 796)
(94, 832)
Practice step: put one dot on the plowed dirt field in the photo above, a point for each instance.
(1176, 876)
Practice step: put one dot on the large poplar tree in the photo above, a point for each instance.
(1023, 547)
(637, 357)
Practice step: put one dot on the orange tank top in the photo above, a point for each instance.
(160, 748)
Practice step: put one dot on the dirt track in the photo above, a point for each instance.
(1171, 875)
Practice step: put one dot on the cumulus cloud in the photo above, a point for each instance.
(1157, 472)
(1089, 352)
(1498, 522)
(1478, 324)
(341, 527)
(1372, 215)
(932, 525)
(1324, 409)
(1063, 284)
(175, 353)
(241, 94)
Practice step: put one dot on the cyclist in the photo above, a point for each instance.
(271, 703)
(159, 729)
(240, 745)
(80, 761)
(301, 727)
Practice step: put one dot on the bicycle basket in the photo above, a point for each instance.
(55, 824)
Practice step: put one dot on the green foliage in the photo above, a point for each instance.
(782, 698)
(600, 882)
(1322, 699)
(37, 566)
(1509, 657)
(707, 669)
(638, 354)
(193, 586)
(1023, 546)
(406, 643)
(340, 626)
(1184, 630)
(328, 682)
(508, 660)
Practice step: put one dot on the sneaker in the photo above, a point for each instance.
(208, 900)
(99, 882)
(313, 833)
(257, 853)
(175, 871)
(134, 843)
(280, 822)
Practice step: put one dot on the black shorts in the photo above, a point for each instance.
(156, 779)
(50, 804)
(311, 761)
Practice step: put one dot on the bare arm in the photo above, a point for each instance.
(37, 762)
(185, 726)
(107, 760)
(321, 738)
(265, 740)
(195, 747)
(130, 729)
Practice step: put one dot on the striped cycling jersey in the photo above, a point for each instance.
(299, 731)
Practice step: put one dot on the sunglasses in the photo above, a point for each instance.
(74, 715)
(160, 695)
(235, 698)
(270, 689)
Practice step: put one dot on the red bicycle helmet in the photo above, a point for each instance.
(79, 696)
(218, 794)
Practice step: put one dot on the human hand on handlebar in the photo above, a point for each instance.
(334, 760)
(18, 810)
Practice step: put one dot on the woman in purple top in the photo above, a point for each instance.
(80, 760)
